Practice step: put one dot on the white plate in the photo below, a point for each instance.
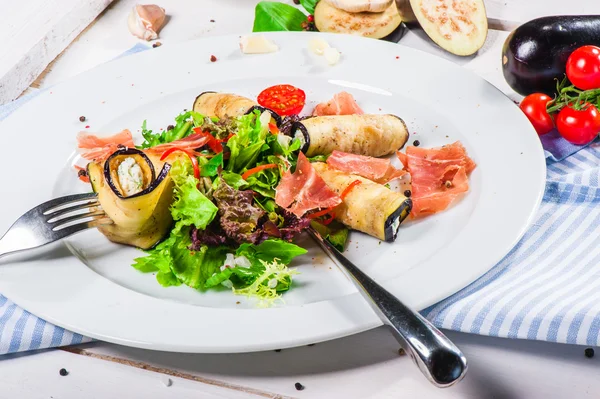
(432, 258)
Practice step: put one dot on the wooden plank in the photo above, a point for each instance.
(367, 365)
(36, 375)
(33, 33)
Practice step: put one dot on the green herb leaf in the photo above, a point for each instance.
(309, 5)
(274, 16)
(269, 250)
(336, 233)
(211, 168)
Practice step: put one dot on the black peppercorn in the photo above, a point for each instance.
(277, 350)
(296, 1)
(299, 387)
(589, 352)
(407, 193)
(213, 58)
(170, 127)
(63, 372)
(82, 118)
(416, 143)
(157, 44)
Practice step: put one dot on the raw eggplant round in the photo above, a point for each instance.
(535, 54)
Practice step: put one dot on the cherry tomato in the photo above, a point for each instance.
(283, 99)
(578, 126)
(583, 67)
(534, 107)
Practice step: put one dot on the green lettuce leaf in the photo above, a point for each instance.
(211, 168)
(193, 268)
(234, 180)
(182, 128)
(336, 233)
(275, 16)
(190, 207)
(270, 250)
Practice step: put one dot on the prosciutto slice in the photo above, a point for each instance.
(98, 149)
(304, 190)
(341, 104)
(379, 170)
(439, 176)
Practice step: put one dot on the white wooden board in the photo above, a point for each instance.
(33, 33)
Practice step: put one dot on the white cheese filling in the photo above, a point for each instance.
(131, 178)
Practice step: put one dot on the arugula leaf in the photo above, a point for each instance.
(336, 233)
(270, 250)
(273, 16)
(211, 168)
(183, 128)
(309, 5)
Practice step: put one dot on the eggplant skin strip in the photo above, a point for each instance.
(369, 207)
(225, 105)
(372, 135)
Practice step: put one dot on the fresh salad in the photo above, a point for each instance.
(216, 199)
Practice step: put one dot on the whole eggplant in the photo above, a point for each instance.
(535, 54)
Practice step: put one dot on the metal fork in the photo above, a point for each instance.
(52, 221)
(436, 356)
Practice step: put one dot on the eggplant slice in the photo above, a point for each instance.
(371, 135)
(458, 26)
(142, 219)
(369, 207)
(226, 105)
(376, 25)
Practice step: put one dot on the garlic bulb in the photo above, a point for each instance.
(146, 20)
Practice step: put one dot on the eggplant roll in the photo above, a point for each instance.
(133, 197)
(372, 135)
(226, 105)
(369, 207)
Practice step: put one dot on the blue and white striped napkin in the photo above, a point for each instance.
(547, 288)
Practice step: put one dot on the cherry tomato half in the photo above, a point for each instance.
(283, 99)
(578, 126)
(534, 107)
(583, 67)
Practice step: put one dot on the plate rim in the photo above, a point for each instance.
(369, 322)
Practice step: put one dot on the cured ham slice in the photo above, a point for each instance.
(341, 104)
(98, 149)
(190, 143)
(304, 190)
(439, 176)
(379, 170)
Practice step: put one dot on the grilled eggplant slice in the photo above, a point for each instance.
(376, 25)
(226, 105)
(372, 135)
(369, 207)
(458, 26)
(134, 197)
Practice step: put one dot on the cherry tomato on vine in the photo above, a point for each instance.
(283, 99)
(534, 107)
(578, 126)
(583, 68)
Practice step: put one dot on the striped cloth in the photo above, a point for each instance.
(546, 288)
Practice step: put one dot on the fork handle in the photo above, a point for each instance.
(435, 355)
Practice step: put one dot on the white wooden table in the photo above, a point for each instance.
(366, 365)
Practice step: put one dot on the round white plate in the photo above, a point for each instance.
(97, 293)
